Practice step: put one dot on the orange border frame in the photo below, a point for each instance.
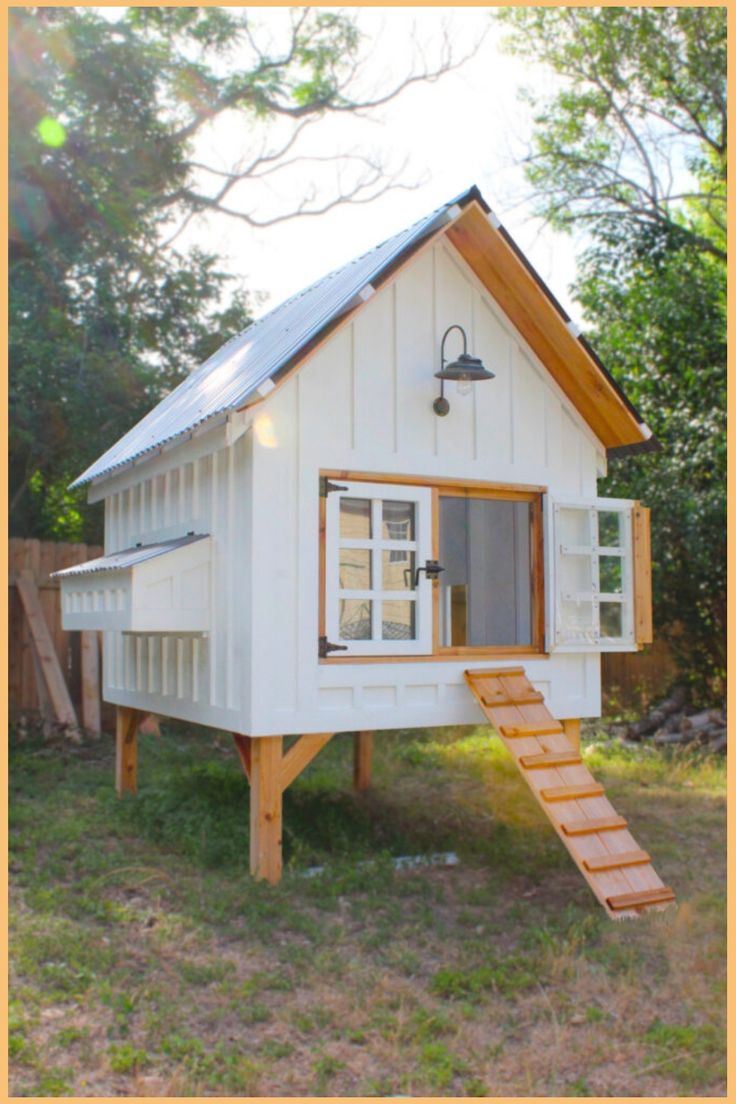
(461, 488)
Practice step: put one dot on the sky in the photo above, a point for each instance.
(469, 127)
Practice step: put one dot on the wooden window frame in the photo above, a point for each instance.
(462, 489)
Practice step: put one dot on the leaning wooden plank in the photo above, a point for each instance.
(45, 707)
(300, 754)
(45, 651)
(91, 704)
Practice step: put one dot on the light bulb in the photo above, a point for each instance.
(464, 386)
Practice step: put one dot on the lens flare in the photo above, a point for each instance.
(51, 132)
(265, 431)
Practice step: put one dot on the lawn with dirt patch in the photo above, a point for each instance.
(147, 963)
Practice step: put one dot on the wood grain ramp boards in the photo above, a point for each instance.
(640, 899)
(521, 732)
(613, 861)
(550, 759)
(572, 793)
(497, 701)
(573, 801)
(586, 826)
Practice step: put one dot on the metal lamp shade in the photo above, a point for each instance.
(466, 368)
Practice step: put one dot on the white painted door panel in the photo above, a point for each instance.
(590, 584)
(377, 536)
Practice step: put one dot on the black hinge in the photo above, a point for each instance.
(325, 486)
(324, 647)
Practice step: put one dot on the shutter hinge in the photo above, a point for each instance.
(324, 647)
(325, 486)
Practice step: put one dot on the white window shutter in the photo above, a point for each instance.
(590, 577)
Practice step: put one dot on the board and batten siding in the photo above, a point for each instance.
(363, 403)
(202, 678)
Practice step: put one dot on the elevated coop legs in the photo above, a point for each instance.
(126, 749)
(270, 771)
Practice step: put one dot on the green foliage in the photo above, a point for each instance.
(440, 1065)
(125, 1058)
(641, 103)
(641, 91)
(507, 976)
(106, 313)
(658, 313)
(227, 987)
(690, 1052)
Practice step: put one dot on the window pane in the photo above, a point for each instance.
(398, 621)
(611, 619)
(486, 587)
(355, 518)
(397, 571)
(355, 619)
(611, 575)
(609, 528)
(577, 623)
(398, 521)
(355, 568)
(573, 526)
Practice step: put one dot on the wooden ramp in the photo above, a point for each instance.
(607, 855)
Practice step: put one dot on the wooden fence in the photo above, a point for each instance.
(36, 560)
(629, 680)
(636, 680)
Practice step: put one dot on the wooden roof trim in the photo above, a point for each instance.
(544, 325)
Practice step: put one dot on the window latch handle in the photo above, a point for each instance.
(432, 569)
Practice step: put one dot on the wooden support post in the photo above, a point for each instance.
(362, 759)
(91, 704)
(265, 807)
(572, 730)
(126, 750)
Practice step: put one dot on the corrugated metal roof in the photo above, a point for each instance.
(128, 557)
(244, 363)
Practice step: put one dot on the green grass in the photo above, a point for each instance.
(146, 962)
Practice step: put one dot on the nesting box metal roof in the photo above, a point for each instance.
(245, 368)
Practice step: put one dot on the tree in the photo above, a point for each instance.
(638, 131)
(107, 312)
(632, 152)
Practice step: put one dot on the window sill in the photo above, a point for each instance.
(456, 654)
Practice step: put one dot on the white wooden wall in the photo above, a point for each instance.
(364, 403)
(197, 678)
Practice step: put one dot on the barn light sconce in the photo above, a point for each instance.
(466, 371)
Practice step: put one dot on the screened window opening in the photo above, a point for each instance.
(486, 588)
